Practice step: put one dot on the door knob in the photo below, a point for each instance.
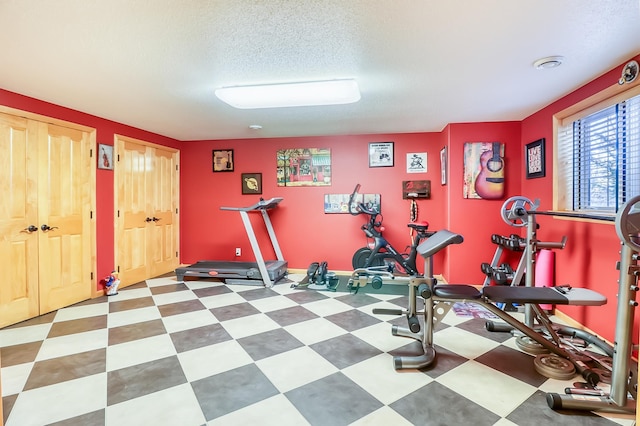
(155, 219)
(30, 229)
(148, 219)
(46, 227)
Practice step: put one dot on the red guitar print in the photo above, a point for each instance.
(105, 159)
(490, 181)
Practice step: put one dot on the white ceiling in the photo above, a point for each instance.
(420, 64)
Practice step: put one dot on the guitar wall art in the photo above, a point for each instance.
(105, 157)
(483, 170)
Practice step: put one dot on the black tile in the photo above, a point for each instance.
(346, 350)
(333, 401)
(229, 391)
(435, 404)
(143, 379)
(264, 345)
(199, 337)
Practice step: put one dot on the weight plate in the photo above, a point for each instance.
(628, 224)
(605, 375)
(530, 346)
(554, 367)
(511, 211)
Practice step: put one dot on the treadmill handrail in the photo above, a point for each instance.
(260, 205)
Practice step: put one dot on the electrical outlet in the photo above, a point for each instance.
(238, 251)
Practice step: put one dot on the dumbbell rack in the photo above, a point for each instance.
(513, 243)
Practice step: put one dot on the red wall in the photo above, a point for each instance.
(105, 130)
(305, 233)
(589, 259)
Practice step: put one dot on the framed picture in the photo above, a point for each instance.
(381, 154)
(252, 183)
(417, 162)
(105, 157)
(443, 166)
(223, 160)
(534, 159)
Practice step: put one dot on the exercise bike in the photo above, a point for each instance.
(380, 259)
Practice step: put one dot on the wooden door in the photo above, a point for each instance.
(64, 206)
(146, 210)
(18, 211)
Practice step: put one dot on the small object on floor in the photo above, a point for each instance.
(111, 284)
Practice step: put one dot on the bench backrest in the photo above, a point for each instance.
(437, 242)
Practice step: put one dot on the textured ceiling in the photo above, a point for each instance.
(420, 64)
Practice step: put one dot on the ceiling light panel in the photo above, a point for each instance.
(330, 92)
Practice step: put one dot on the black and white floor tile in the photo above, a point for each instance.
(201, 352)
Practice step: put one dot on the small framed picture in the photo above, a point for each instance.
(381, 154)
(417, 162)
(105, 157)
(534, 159)
(443, 166)
(223, 160)
(252, 183)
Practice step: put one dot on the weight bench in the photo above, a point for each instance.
(439, 298)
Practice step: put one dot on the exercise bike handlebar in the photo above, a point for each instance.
(355, 207)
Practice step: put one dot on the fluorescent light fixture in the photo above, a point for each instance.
(330, 92)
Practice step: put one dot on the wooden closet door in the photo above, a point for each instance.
(18, 211)
(64, 206)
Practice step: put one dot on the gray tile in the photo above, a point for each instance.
(478, 326)
(181, 307)
(333, 401)
(358, 300)
(42, 319)
(211, 291)
(169, 288)
(304, 296)
(199, 337)
(535, 412)
(139, 330)
(239, 310)
(229, 391)
(259, 293)
(352, 320)
(66, 368)
(81, 325)
(264, 345)
(95, 418)
(293, 315)
(143, 379)
(125, 305)
(345, 350)
(435, 404)
(19, 354)
(513, 363)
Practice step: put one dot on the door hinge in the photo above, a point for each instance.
(91, 153)
(118, 158)
(176, 211)
(176, 167)
(118, 214)
(91, 276)
(118, 268)
(91, 214)
(176, 254)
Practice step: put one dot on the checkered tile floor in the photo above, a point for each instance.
(201, 352)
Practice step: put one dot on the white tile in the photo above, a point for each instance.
(188, 320)
(224, 299)
(76, 312)
(487, 387)
(387, 384)
(327, 307)
(139, 351)
(173, 297)
(382, 416)
(177, 405)
(57, 402)
(274, 411)
(303, 366)
(269, 304)
(462, 342)
(249, 326)
(379, 335)
(134, 293)
(15, 377)
(214, 359)
(315, 330)
(19, 335)
(132, 316)
(73, 344)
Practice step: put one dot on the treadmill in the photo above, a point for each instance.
(260, 272)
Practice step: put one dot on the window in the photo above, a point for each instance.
(598, 158)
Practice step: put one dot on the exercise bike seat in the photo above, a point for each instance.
(419, 226)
